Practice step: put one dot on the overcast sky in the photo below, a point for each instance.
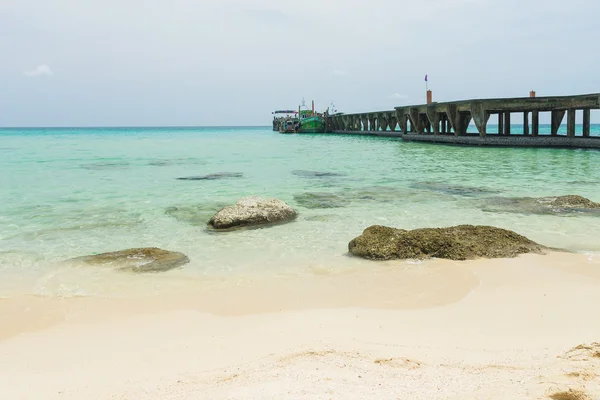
(232, 62)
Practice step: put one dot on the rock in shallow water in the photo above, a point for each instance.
(316, 174)
(252, 211)
(463, 242)
(321, 200)
(541, 205)
(212, 177)
(459, 190)
(150, 259)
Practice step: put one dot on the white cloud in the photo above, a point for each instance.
(398, 96)
(40, 70)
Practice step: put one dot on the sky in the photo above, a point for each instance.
(232, 62)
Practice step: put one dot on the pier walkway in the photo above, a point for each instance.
(448, 122)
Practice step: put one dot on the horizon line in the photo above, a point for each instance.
(133, 126)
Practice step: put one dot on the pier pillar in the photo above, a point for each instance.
(401, 119)
(586, 122)
(393, 123)
(480, 117)
(535, 123)
(365, 123)
(557, 117)
(444, 120)
(526, 123)
(500, 123)
(571, 122)
(507, 123)
(415, 120)
(434, 119)
(453, 119)
(372, 122)
(425, 123)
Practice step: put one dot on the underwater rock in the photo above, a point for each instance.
(150, 259)
(105, 165)
(463, 242)
(316, 174)
(541, 205)
(212, 177)
(321, 200)
(252, 211)
(196, 214)
(459, 190)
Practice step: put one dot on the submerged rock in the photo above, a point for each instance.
(105, 165)
(459, 190)
(463, 242)
(195, 214)
(212, 177)
(316, 174)
(252, 211)
(150, 259)
(321, 200)
(541, 205)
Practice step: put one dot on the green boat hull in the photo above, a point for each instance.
(312, 125)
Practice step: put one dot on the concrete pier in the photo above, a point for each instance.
(427, 122)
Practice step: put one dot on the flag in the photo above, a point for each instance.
(425, 78)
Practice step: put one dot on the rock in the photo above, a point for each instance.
(212, 177)
(541, 205)
(463, 242)
(139, 260)
(194, 214)
(316, 174)
(459, 190)
(321, 200)
(252, 211)
(571, 201)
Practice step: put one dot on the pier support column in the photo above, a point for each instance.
(586, 122)
(444, 121)
(535, 123)
(453, 119)
(401, 118)
(526, 123)
(507, 123)
(365, 123)
(415, 120)
(500, 123)
(393, 123)
(557, 117)
(480, 117)
(372, 123)
(434, 119)
(425, 123)
(571, 122)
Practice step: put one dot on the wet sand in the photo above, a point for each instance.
(485, 329)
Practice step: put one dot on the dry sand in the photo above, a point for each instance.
(487, 329)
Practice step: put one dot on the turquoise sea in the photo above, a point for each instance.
(67, 192)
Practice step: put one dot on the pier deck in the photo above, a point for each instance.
(448, 122)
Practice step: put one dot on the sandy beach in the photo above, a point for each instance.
(486, 329)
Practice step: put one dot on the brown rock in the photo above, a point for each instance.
(463, 242)
(138, 260)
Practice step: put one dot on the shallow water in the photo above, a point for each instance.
(73, 192)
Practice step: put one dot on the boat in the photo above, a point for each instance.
(288, 126)
(286, 123)
(309, 121)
